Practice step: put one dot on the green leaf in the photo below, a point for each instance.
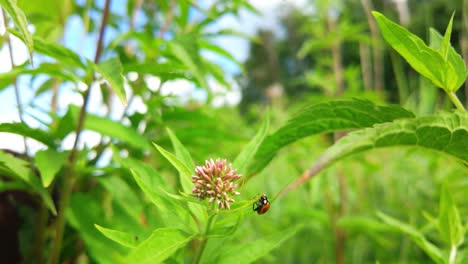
(232, 32)
(111, 71)
(185, 173)
(162, 244)
(220, 51)
(123, 195)
(20, 169)
(166, 71)
(186, 58)
(12, 185)
(446, 133)
(19, 18)
(450, 225)
(252, 251)
(26, 131)
(415, 235)
(49, 162)
(446, 42)
(248, 152)
(51, 69)
(112, 128)
(84, 211)
(66, 123)
(325, 117)
(426, 61)
(173, 214)
(181, 152)
(456, 68)
(125, 239)
(59, 52)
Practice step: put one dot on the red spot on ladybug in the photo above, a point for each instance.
(262, 205)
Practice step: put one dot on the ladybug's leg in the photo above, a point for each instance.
(253, 206)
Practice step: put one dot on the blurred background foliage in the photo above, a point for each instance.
(322, 51)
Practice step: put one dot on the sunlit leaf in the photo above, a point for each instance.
(49, 162)
(184, 172)
(325, 117)
(446, 133)
(180, 150)
(20, 169)
(165, 71)
(125, 239)
(173, 213)
(111, 71)
(450, 224)
(159, 246)
(26, 131)
(444, 68)
(186, 58)
(56, 51)
(51, 69)
(19, 18)
(220, 51)
(108, 127)
(252, 251)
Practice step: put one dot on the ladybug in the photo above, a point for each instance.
(262, 205)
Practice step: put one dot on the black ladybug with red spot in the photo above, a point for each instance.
(262, 205)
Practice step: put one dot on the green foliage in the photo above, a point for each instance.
(446, 133)
(415, 235)
(250, 252)
(450, 225)
(21, 22)
(243, 159)
(119, 200)
(122, 238)
(47, 168)
(325, 117)
(19, 169)
(162, 244)
(444, 67)
(111, 70)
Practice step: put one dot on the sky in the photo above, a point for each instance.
(247, 22)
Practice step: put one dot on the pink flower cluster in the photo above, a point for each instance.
(215, 181)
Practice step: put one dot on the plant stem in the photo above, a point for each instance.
(38, 251)
(69, 174)
(15, 83)
(453, 97)
(453, 255)
(204, 240)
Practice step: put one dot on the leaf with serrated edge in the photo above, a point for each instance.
(446, 133)
(324, 117)
(426, 61)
